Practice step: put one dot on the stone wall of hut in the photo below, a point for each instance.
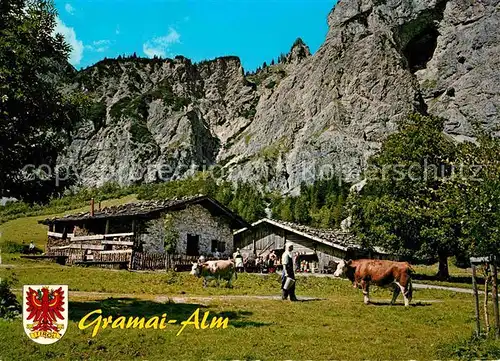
(152, 236)
(194, 220)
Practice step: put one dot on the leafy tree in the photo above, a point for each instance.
(477, 192)
(171, 234)
(406, 206)
(35, 117)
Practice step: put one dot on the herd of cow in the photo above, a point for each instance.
(361, 273)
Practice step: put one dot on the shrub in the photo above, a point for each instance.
(118, 108)
(9, 307)
(475, 348)
(171, 234)
(271, 84)
(97, 114)
(140, 133)
(13, 247)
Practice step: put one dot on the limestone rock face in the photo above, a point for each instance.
(306, 117)
(157, 119)
(461, 81)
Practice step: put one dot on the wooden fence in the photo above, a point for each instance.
(73, 254)
(156, 261)
(136, 260)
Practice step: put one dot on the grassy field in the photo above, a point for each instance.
(26, 229)
(459, 277)
(337, 326)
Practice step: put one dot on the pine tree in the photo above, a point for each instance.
(286, 210)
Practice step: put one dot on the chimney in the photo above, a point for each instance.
(92, 207)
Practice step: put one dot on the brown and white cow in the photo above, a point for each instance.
(382, 273)
(220, 269)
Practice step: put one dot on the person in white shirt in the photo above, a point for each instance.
(288, 271)
(238, 260)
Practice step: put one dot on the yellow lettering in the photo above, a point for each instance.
(195, 323)
(119, 323)
(204, 324)
(162, 322)
(219, 322)
(107, 321)
(153, 322)
(136, 322)
(96, 322)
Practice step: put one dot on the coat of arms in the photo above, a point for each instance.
(45, 313)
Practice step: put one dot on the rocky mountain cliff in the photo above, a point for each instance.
(307, 116)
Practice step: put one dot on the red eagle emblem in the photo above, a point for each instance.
(45, 307)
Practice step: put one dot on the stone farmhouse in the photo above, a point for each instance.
(198, 226)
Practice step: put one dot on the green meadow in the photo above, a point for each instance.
(335, 324)
(331, 323)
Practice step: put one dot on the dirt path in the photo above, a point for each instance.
(444, 288)
(180, 299)
(415, 285)
(205, 300)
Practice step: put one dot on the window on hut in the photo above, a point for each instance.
(214, 245)
(221, 247)
(218, 245)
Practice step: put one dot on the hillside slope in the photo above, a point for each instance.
(26, 229)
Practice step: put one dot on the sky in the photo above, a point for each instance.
(254, 30)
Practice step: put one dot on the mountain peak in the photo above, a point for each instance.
(298, 52)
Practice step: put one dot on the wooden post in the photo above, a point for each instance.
(254, 245)
(476, 300)
(133, 230)
(106, 230)
(494, 293)
(486, 296)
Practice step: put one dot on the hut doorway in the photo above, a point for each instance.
(193, 242)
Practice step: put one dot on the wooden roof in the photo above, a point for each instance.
(335, 238)
(149, 209)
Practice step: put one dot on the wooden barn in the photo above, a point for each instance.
(138, 232)
(319, 246)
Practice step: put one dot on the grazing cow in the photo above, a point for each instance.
(362, 272)
(221, 269)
